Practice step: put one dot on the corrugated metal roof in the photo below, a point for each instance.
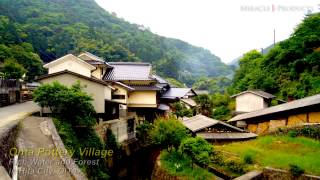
(163, 107)
(257, 92)
(201, 92)
(227, 135)
(129, 71)
(159, 79)
(293, 105)
(173, 93)
(190, 102)
(199, 122)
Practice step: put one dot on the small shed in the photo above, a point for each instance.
(215, 130)
(252, 100)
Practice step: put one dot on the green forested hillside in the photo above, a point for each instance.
(57, 27)
(291, 69)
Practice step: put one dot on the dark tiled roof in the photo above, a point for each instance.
(257, 92)
(93, 62)
(286, 107)
(75, 74)
(200, 122)
(92, 59)
(174, 93)
(122, 71)
(145, 88)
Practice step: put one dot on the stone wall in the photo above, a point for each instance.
(269, 173)
(271, 125)
(68, 161)
(8, 136)
(278, 174)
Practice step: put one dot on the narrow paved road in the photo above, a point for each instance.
(39, 162)
(15, 112)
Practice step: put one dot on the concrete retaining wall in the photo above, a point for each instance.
(68, 161)
(8, 136)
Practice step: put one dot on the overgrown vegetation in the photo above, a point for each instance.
(277, 151)
(180, 110)
(187, 156)
(69, 104)
(312, 131)
(177, 165)
(144, 133)
(197, 149)
(295, 170)
(168, 133)
(74, 119)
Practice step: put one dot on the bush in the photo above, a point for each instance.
(292, 133)
(295, 170)
(248, 159)
(69, 104)
(180, 110)
(168, 133)
(198, 149)
(143, 132)
(235, 166)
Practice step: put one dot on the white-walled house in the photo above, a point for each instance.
(252, 100)
(69, 70)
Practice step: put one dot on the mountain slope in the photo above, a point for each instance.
(290, 69)
(57, 27)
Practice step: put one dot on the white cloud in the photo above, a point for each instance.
(227, 28)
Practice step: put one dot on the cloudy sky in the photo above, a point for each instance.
(228, 28)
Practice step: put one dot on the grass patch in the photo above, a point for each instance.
(278, 152)
(177, 165)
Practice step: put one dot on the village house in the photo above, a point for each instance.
(215, 131)
(295, 113)
(183, 95)
(9, 91)
(124, 93)
(252, 100)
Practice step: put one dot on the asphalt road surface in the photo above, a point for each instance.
(15, 112)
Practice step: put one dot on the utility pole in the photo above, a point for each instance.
(274, 37)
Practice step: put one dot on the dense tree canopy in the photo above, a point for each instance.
(18, 56)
